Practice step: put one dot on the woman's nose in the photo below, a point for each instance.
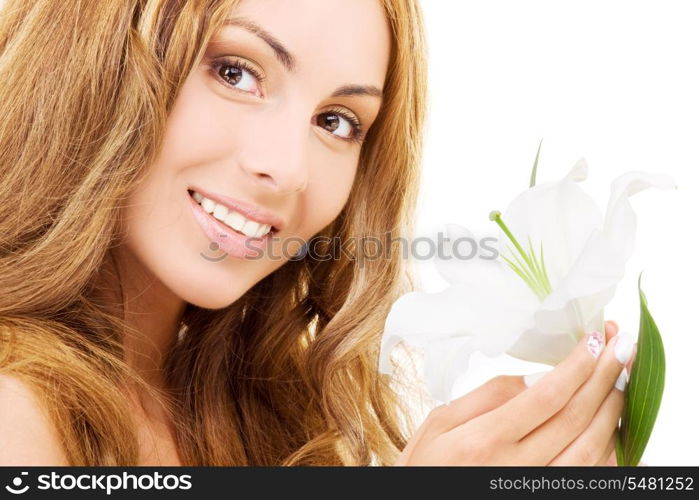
(277, 158)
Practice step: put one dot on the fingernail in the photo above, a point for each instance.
(530, 379)
(595, 343)
(624, 347)
(621, 380)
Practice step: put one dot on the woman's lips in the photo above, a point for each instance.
(252, 212)
(228, 239)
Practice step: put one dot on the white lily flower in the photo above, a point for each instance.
(560, 261)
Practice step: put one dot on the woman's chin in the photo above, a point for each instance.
(210, 295)
(209, 301)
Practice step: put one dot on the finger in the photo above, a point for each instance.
(529, 409)
(592, 446)
(571, 421)
(611, 328)
(609, 458)
(484, 398)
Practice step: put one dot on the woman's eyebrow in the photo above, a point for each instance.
(285, 57)
(360, 90)
(289, 61)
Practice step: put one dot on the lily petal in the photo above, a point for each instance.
(445, 360)
(598, 267)
(620, 219)
(577, 316)
(559, 215)
(464, 262)
(551, 343)
(456, 321)
(421, 317)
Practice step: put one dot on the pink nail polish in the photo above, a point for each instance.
(595, 343)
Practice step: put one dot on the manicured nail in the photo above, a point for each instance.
(595, 343)
(624, 347)
(622, 380)
(530, 379)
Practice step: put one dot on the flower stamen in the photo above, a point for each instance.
(527, 265)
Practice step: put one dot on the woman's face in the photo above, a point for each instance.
(269, 128)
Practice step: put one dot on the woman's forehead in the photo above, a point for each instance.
(349, 40)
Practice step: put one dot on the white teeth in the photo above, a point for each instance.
(235, 220)
(232, 218)
(264, 229)
(208, 205)
(250, 228)
(220, 212)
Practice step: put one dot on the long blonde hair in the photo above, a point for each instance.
(85, 91)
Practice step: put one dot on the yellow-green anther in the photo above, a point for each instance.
(529, 267)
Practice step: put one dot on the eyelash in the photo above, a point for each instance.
(238, 64)
(357, 131)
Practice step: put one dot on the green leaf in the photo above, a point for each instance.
(532, 178)
(644, 390)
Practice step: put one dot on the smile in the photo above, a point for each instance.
(227, 233)
(231, 218)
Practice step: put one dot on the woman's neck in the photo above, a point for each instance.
(150, 309)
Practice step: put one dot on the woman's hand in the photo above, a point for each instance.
(568, 417)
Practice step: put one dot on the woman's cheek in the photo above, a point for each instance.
(198, 129)
(327, 194)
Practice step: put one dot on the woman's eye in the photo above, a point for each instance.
(241, 77)
(340, 125)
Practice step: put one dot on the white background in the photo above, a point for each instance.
(616, 82)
